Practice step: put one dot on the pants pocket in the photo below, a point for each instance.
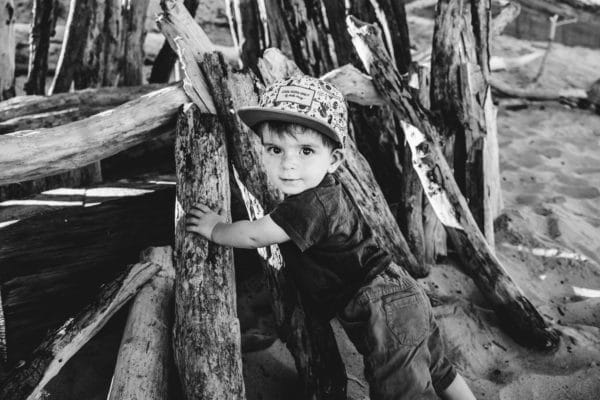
(407, 317)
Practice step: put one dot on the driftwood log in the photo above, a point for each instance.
(206, 333)
(41, 254)
(517, 316)
(131, 47)
(34, 154)
(142, 368)
(29, 380)
(7, 49)
(45, 14)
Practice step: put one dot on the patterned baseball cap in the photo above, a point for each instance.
(304, 100)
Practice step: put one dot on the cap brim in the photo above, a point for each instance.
(254, 115)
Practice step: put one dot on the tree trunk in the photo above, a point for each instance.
(206, 335)
(247, 30)
(29, 380)
(133, 16)
(311, 342)
(7, 49)
(142, 368)
(45, 13)
(49, 151)
(461, 96)
(516, 314)
(54, 261)
(166, 57)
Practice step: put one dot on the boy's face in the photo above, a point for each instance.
(298, 160)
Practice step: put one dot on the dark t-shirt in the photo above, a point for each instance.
(332, 251)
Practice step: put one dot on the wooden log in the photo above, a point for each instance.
(7, 49)
(206, 333)
(29, 380)
(44, 277)
(583, 10)
(460, 73)
(507, 15)
(247, 31)
(142, 368)
(166, 56)
(45, 14)
(354, 85)
(131, 47)
(43, 152)
(311, 343)
(517, 316)
(504, 90)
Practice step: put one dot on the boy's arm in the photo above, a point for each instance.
(242, 234)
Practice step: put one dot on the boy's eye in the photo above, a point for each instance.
(307, 151)
(273, 150)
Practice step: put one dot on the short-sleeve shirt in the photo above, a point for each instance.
(332, 251)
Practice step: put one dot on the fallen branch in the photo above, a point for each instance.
(516, 314)
(536, 94)
(507, 14)
(28, 381)
(28, 155)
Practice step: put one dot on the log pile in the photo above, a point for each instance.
(214, 148)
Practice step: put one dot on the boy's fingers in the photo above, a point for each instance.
(202, 207)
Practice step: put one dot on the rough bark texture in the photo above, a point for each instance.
(206, 333)
(131, 50)
(45, 13)
(7, 49)
(166, 57)
(142, 368)
(517, 315)
(45, 279)
(247, 30)
(49, 151)
(459, 88)
(311, 342)
(28, 381)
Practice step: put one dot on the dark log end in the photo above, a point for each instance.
(531, 331)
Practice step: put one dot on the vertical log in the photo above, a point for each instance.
(142, 368)
(43, 24)
(460, 94)
(133, 16)
(166, 57)
(7, 49)
(247, 30)
(206, 333)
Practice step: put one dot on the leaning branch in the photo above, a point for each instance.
(516, 313)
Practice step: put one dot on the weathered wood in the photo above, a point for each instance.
(44, 277)
(583, 10)
(142, 368)
(7, 49)
(28, 381)
(517, 316)
(206, 333)
(247, 30)
(507, 15)
(131, 47)
(100, 98)
(354, 85)
(35, 154)
(166, 56)
(459, 81)
(503, 89)
(45, 13)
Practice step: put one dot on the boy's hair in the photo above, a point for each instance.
(281, 128)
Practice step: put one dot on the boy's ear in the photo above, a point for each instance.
(337, 157)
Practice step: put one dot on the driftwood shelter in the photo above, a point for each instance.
(437, 187)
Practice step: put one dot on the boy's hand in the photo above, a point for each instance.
(202, 220)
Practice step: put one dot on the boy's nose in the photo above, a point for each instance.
(289, 162)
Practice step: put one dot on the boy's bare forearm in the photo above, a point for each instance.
(237, 234)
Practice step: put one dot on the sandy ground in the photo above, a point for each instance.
(546, 237)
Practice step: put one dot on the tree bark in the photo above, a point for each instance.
(166, 56)
(131, 51)
(516, 314)
(206, 335)
(45, 13)
(7, 49)
(28, 381)
(45, 279)
(49, 151)
(142, 368)
(461, 96)
(247, 29)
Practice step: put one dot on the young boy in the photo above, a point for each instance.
(330, 250)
